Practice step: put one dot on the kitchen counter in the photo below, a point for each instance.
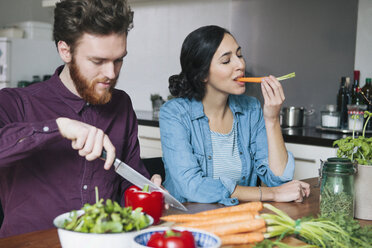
(305, 135)
(310, 206)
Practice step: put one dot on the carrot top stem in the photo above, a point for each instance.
(290, 75)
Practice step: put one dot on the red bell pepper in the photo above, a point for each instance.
(152, 203)
(172, 239)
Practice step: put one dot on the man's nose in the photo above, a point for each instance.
(109, 70)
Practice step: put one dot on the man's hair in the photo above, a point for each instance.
(73, 18)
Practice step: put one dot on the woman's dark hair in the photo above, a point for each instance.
(196, 55)
(73, 18)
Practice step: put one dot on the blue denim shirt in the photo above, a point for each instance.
(188, 155)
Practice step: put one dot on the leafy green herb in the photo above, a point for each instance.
(267, 243)
(357, 149)
(341, 202)
(107, 217)
(353, 228)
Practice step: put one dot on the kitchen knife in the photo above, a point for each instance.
(137, 179)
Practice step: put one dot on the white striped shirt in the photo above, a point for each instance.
(226, 160)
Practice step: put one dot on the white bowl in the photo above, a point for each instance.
(72, 239)
(202, 238)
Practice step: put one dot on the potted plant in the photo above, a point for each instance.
(359, 149)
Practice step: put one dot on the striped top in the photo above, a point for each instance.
(226, 160)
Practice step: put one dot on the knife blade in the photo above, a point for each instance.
(140, 181)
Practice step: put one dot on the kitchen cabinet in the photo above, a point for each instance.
(149, 139)
(307, 159)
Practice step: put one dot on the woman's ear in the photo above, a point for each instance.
(64, 51)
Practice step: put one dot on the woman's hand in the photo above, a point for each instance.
(292, 191)
(273, 94)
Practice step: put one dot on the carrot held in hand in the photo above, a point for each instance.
(242, 238)
(259, 79)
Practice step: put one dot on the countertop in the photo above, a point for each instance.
(304, 135)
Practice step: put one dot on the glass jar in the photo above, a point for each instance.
(337, 193)
(330, 119)
(356, 116)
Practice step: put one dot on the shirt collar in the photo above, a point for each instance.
(197, 109)
(73, 101)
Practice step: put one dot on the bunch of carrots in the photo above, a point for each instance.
(234, 225)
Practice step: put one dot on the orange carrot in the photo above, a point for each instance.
(262, 230)
(242, 238)
(198, 217)
(249, 206)
(259, 79)
(234, 227)
(250, 79)
(222, 219)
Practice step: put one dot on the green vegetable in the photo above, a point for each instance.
(357, 149)
(353, 228)
(321, 232)
(341, 202)
(267, 243)
(106, 218)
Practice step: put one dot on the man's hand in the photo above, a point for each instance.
(87, 139)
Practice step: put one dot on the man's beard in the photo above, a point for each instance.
(86, 89)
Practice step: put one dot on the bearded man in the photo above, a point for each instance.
(51, 133)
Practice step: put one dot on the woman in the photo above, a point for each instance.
(216, 141)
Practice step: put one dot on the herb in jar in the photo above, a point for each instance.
(331, 202)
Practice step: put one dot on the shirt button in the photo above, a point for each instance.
(209, 157)
(85, 186)
(45, 129)
(243, 178)
(87, 104)
(240, 153)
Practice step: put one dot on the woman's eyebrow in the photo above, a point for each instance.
(225, 54)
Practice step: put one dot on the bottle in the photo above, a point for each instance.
(348, 90)
(354, 91)
(337, 192)
(342, 101)
(367, 91)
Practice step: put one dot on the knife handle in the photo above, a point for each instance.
(103, 154)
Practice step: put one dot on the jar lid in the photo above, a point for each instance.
(338, 165)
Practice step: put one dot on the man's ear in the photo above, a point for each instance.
(64, 51)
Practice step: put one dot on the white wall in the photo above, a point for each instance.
(154, 44)
(363, 49)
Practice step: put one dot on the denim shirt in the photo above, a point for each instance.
(188, 155)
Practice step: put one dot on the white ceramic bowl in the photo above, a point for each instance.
(203, 239)
(71, 239)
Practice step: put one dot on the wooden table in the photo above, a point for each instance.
(49, 238)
